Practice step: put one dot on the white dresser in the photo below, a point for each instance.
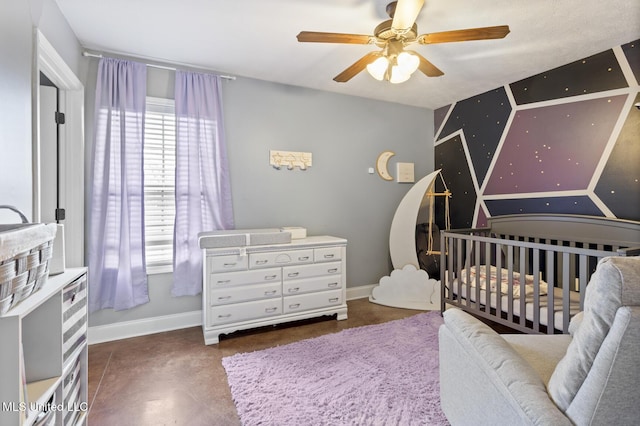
(253, 286)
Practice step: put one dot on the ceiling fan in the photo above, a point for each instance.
(393, 63)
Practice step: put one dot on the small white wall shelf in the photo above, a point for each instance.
(290, 159)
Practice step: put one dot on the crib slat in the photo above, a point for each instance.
(566, 288)
(444, 271)
(584, 279)
(536, 290)
(457, 266)
(550, 294)
(499, 268)
(477, 272)
(523, 299)
(467, 270)
(510, 278)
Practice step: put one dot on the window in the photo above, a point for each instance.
(159, 183)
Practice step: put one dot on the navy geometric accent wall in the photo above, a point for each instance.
(619, 183)
(632, 53)
(596, 73)
(482, 119)
(563, 141)
(458, 180)
(566, 205)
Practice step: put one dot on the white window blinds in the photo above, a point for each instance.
(159, 183)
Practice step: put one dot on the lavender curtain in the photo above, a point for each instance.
(117, 273)
(203, 192)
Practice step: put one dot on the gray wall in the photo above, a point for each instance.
(336, 196)
(17, 22)
(15, 107)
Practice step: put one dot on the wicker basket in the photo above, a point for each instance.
(26, 271)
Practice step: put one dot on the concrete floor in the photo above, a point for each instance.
(173, 378)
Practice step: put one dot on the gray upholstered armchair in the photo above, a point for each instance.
(588, 377)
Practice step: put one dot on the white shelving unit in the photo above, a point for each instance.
(34, 365)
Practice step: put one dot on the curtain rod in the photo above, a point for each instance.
(164, 67)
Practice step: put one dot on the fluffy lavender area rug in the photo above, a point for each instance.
(383, 374)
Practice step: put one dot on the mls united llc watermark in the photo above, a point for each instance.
(49, 406)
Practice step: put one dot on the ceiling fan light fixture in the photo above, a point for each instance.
(378, 68)
(398, 75)
(408, 62)
(393, 63)
(394, 67)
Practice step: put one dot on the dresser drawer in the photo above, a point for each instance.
(244, 293)
(311, 284)
(305, 302)
(308, 271)
(230, 279)
(224, 314)
(280, 258)
(227, 263)
(327, 254)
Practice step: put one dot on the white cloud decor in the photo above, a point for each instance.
(409, 288)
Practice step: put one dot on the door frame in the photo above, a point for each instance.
(71, 139)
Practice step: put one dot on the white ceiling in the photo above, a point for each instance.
(257, 39)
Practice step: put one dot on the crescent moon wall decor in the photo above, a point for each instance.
(382, 164)
(408, 286)
(402, 238)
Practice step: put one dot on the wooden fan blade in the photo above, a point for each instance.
(317, 37)
(483, 33)
(358, 66)
(427, 67)
(405, 14)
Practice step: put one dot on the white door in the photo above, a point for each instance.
(48, 154)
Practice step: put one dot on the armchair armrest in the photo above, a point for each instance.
(484, 381)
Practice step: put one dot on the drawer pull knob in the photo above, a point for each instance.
(221, 282)
(332, 284)
(270, 293)
(333, 299)
(224, 297)
(270, 310)
(270, 277)
(293, 274)
(224, 316)
(261, 262)
(230, 264)
(294, 306)
(332, 270)
(302, 258)
(328, 256)
(294, 290)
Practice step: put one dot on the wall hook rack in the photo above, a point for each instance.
(290, 160)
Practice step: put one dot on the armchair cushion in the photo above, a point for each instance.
(610, 393)
(615, 283)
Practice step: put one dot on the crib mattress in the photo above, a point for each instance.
(460, 291)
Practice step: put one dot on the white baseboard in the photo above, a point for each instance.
(359, 292)
(142, 327)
